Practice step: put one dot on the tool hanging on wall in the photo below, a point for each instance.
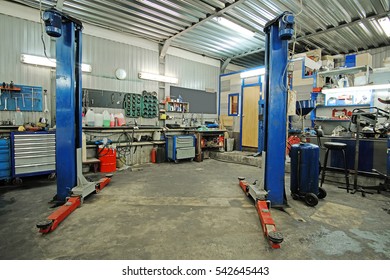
(45, 93)
(5, 103)
(16, 102)
(32, 98)
(24, 104)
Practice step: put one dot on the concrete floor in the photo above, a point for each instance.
(190, 211)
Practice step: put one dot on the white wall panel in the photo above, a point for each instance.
(191, 74)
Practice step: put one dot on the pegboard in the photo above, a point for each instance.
(102, 98)
(27, 98)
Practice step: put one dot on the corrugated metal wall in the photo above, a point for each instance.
(106, 56)
(191, 74)
(19, 36)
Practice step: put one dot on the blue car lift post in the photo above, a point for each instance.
(72, 187)
(271, 190)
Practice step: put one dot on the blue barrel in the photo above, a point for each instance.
(304, 168)
(5, 159)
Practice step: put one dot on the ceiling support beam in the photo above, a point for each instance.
(348, 24)
(167, 42)
(305, 37)
(225, 64)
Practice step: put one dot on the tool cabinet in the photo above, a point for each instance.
(33, 153)
(180, 147)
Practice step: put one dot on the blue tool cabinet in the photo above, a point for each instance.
(5, 159)
(180, 147)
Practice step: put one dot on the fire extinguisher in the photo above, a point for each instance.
(153, 155)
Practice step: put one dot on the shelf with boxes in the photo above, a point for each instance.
(174, 106)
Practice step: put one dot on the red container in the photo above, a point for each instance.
(153, 155)
(107, 157)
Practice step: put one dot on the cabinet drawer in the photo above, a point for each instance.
(185, 153)
(184, 142)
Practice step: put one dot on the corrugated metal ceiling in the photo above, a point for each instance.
(332, 25)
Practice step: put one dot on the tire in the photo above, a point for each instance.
(321, 193)
(311, 199)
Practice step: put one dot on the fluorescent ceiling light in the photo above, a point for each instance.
(355, 89)
(47, 62)
(234, 26)
(158, 78)
(252, 73)
(385, 24)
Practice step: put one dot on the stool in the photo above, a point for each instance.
(335, 146)
(332, 146)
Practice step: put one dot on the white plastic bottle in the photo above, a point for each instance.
(106, 119)
(90, 117)
(98, 120)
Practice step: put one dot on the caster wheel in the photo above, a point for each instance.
(44, 224)
(311, 199)
(176, 161)
(52, 176)
(17, 181)
(275, 237)
(321, 193)
(294, 196)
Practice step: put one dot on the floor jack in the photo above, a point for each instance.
(72, 186)
(262, 205)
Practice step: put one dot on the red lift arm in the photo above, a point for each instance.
(267, 223)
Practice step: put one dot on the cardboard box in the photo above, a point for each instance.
(328, 63)
(364, 59)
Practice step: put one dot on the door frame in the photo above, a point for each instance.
(244, 85)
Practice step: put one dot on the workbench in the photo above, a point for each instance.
(206, 140)
(372, 153)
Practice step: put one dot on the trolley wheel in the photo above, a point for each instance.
(176, 161)
(52, 176)
(275, 237)
(17, 181)
(294, 196)
(44, 224)
(321, 193)
(311, 199)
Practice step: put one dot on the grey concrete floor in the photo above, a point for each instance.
(190, 211)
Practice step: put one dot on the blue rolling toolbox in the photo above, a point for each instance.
(5, 159)
(305, 170)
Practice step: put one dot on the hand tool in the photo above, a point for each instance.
(5, 103)
(46, 110)
(32, 98)
(16, 103)
(24, 104)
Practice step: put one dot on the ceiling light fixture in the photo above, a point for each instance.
(252, 73)
(234, 26)
(158, 78)
(385, 24)
(47, 62)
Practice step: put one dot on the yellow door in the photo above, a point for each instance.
(250, 123)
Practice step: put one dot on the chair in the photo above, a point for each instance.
(332, 146)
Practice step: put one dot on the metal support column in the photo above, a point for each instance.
(278, 32)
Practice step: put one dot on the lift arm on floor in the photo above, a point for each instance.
(262, 206)
(73, 202)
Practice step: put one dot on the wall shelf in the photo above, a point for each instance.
(179, 107)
